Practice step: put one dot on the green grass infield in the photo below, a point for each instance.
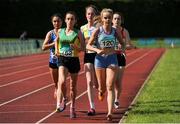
(159, 101)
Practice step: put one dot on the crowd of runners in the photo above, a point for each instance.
(103, 40)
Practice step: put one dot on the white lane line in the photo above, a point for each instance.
(21, 65)
(27, 94)
(18, 81)
(7, 74)
(23, 59)
(21, 112)
(24, 79)
(131, 53)
(49, 115)
(139, 58)
(30, 105)
(23, 71)
(22, 96)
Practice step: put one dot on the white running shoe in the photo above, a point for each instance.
(116, 105)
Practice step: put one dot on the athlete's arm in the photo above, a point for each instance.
(91, 42)
(129, 44)
(82, 42)
(57, 44)
(119, 38)
(46, 45)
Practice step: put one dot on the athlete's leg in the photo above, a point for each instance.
(54, 76)
(89, 69)
(101, 78)
(61, 92)
(110, 79)
(73, 92)
(118, 83)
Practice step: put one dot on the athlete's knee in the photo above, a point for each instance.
(109, 87)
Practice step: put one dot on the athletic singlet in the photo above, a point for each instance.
(65, 41)
(120, 50)
(87, 32)
(105, 40)
(52, 58)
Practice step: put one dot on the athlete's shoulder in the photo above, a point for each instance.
(50, 32)
(100, 30)
(83, 27)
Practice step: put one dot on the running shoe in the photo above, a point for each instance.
(72, 113)
(91, 112)
(109, 117)
(62, 105)
(116, 105)
(100, 96)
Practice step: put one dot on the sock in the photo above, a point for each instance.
(57, 105)
(92, 105)
(116, 100)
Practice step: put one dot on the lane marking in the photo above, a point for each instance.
(22, 96)
(2, 75)
(7, 74)
(27, 94)
(49, 115)
(24, 79)
(139, 58)
(23, 59)
(45, 87)
(20, 112)
(27, 63)
(17, 66)
(32, 92)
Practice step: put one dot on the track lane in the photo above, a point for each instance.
(44, 111)
(13, 61)
(100, 106)
(35, 81)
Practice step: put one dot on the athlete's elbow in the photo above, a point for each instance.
(43, 48)
(87, 46)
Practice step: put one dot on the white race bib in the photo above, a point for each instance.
(107, 44)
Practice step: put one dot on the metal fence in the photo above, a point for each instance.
(10, 48)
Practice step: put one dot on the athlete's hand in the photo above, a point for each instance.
(57, 53)
(100, 52)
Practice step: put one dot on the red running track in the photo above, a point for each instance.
(26, 89)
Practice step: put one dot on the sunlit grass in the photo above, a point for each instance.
(159, 101)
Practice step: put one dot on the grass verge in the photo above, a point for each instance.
(159, 101)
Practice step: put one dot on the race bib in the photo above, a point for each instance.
(107, 44)
(67, 53)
